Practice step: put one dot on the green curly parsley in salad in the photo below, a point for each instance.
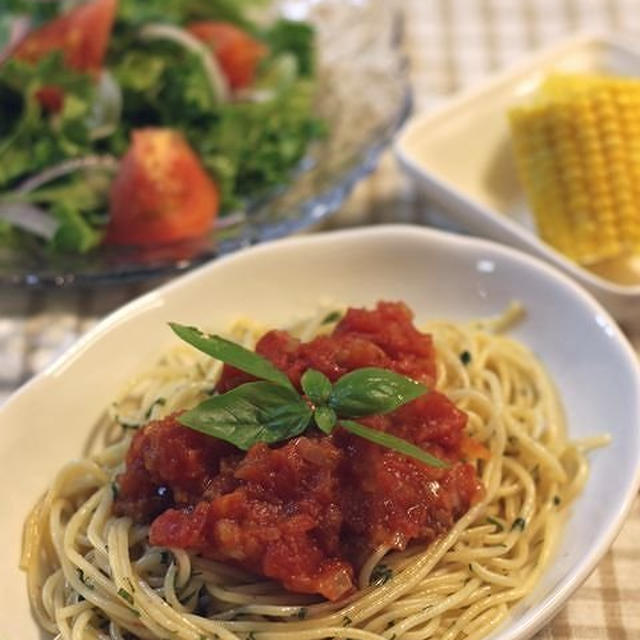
(133, 122)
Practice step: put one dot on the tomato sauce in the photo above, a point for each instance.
(308, 512)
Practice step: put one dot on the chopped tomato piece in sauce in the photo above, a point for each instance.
(308, 512)
(162, 193)
(236, 51)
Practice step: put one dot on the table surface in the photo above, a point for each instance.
(452, 44)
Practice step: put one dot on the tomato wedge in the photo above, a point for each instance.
(237, 52)
(162, 193)
(82, 34)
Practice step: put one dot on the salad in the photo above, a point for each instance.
(135, 122)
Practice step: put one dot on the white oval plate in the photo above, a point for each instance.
(460, 155)
(48, 421)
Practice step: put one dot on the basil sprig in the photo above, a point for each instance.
(272, 410)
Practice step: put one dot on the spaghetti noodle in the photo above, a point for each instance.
(93, 575)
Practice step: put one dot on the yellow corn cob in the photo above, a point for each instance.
(577, 147)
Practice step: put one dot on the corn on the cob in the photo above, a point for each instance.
(577, 147)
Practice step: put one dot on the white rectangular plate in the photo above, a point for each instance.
(461, 155)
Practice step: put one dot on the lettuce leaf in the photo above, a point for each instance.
(37, 10)
(138, 12)
(252, 147)
(296, 38)
(248, 146)
(74, 234)
(33, 139)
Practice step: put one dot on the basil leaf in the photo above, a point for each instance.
(394, 443)
(253, 412)
(316, 385)
(231, 353)
(368, 391)
(325, 418)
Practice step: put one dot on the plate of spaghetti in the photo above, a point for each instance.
(392, 433)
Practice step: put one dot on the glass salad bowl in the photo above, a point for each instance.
(362, 95)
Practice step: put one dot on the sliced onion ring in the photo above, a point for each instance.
(107, 107)
(106, 162)
(19, 29)
(30, 218)
(217, 79)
